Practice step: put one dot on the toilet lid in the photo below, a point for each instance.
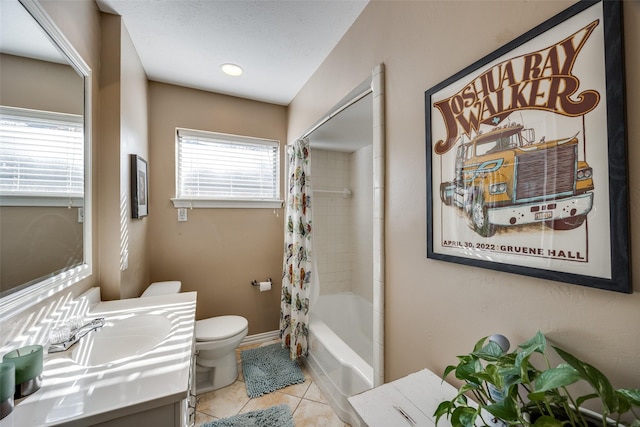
(219, 327)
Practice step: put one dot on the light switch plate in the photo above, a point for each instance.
(182, 214)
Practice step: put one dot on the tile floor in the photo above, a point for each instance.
(309, 407)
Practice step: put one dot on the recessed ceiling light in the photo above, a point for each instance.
(232, 69)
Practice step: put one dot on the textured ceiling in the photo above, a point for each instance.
(348, 131)
(279, 43)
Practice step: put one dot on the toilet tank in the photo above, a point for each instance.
(162, 288)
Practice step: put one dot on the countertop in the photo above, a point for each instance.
(76, 395)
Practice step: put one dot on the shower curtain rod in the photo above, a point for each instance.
(338, 111)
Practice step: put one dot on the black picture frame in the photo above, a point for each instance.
(139, 187)
(516, 210)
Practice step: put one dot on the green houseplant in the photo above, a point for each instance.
(508, 387)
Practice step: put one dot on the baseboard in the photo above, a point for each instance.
(260, 338)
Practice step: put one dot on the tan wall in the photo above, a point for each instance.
(124, 260)
(37, 241)
(108, 173)
(435, 310)
(217, 252)
(40, 85)
(133, 140)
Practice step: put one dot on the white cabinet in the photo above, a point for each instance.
(409, 401)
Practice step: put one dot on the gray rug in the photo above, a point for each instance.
(279, 416)
(267, 369)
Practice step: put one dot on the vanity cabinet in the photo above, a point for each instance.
(165, 416)
(154, 387)
(178, 414)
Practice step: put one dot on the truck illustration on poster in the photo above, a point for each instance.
(505, 177)
(520, 158)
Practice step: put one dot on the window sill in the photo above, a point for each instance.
(233, 204)
(38, 200)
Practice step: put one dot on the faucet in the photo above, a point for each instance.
(76, 335)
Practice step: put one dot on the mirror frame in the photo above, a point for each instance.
(37, 292)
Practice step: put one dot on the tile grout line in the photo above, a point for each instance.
(293, 414)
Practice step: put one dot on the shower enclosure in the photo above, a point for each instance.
(346, 316)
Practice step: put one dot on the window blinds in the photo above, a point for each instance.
(226, 167)
(41, 153)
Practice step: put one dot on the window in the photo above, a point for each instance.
(220, 170)
(41, 158)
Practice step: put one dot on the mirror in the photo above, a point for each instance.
(44, 158)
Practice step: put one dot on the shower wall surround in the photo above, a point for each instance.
(361, 222)
(342, 226)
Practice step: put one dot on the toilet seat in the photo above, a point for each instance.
(220, 327)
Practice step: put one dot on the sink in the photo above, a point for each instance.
(121, 338)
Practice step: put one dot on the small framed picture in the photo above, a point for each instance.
(139, 187)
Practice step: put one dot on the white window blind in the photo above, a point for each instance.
(41, 153)
(214, 166)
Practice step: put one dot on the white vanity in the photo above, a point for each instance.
(134, 371)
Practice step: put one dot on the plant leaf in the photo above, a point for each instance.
(551, 396)
(593, 376)
(536, 344)
(547, 421)
(505, 410)
(510, 374)
(582, 399)
(464, 370)
(444, 408)
(464, 416)
(623, 404)
(448, 370)
(490, 352)
(527, 371)
(632, 395)
(460, 399)
(490, 375)
(479, 344)
(554, 378)
(524, 368)
(536, 397)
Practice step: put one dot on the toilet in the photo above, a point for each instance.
(216, 341)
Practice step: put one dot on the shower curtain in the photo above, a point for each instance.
(296, 275)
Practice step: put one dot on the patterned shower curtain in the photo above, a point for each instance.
(296, 275)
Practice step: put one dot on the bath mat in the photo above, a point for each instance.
(267, 369)
(274, 416)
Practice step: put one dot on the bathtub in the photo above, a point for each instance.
(341, 349)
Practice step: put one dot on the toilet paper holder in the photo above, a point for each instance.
(256, 283)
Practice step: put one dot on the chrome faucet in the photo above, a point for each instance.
(76, 335)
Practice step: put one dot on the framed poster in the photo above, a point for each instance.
(526, 155)
(139, 187)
